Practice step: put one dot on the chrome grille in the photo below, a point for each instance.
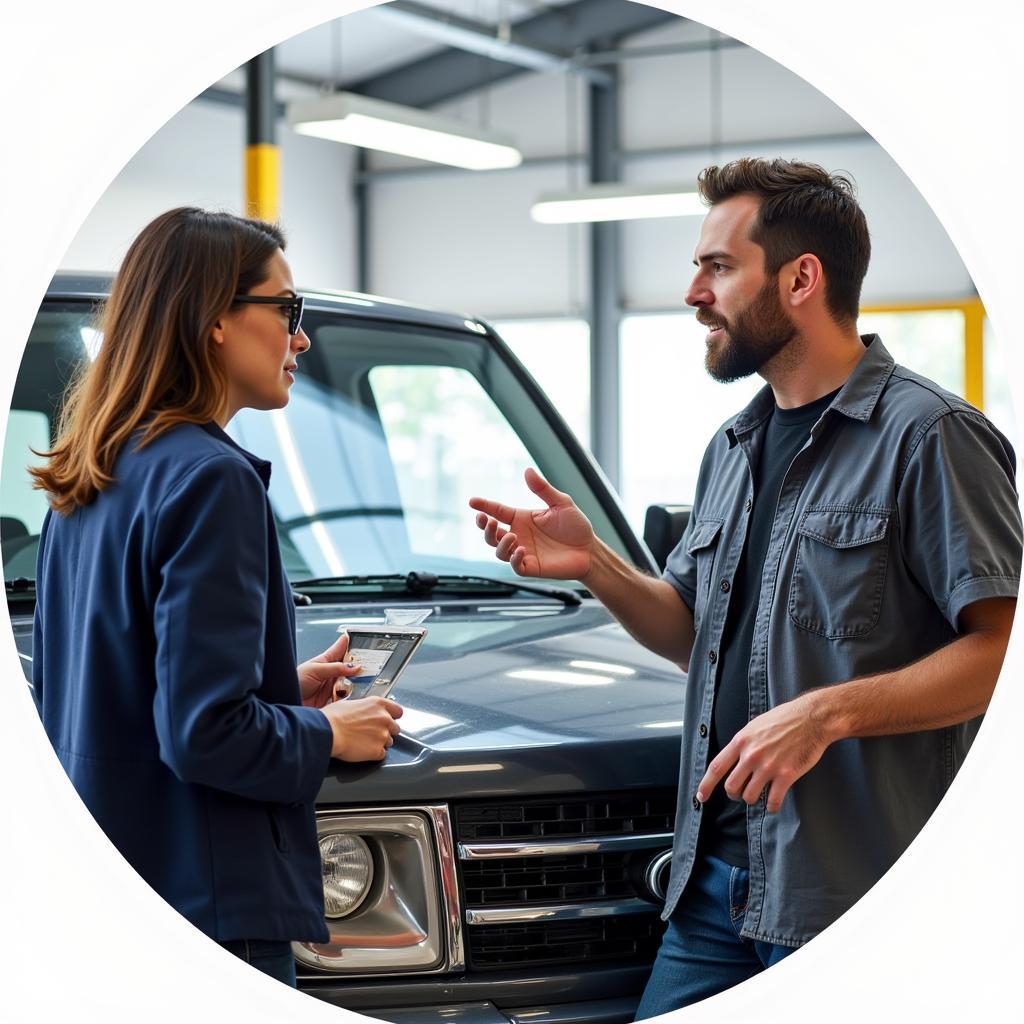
(619, 939)
(527, 881)
(548, 819)
(556, 881)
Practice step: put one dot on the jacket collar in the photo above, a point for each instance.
(856, 399)
(262, 466)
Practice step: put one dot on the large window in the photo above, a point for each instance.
(951, 343)
(998, 403)
(670, 409)
(927, 341)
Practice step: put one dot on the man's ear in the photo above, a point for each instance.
(805, 280)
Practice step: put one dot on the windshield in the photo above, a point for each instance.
(389, 431)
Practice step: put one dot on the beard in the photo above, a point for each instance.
(759, 333)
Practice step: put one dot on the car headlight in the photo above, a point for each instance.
(390, 896)
(348, 873)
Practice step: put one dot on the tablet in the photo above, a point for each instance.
(382, 652)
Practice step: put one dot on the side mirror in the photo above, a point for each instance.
(663, 526)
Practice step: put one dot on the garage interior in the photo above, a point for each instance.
(589, 92)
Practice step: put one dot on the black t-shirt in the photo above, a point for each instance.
(724, 832)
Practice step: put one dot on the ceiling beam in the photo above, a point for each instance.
(502, 42)
(452, 73)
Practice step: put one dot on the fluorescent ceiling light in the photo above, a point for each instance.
(375, 124)
(616, 202)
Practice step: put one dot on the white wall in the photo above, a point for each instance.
(197, 159)
(466, 242)
(667, 99)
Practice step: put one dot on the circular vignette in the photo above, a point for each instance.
(912, 943)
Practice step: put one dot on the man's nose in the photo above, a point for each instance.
(697, 294)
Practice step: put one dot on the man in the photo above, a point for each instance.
(841, 598)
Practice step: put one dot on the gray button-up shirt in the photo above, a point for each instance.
(899, 511)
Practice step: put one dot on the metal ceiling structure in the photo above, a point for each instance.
(505, 42)
(481, 54)
(568, 30)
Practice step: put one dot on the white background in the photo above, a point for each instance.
(940, 87)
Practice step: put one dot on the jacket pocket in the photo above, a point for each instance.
(277, 829)
(839, 570)
(702, 547)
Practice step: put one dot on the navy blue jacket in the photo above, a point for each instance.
(164, 669)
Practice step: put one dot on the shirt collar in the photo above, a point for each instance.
(857, 398)
(261, 466)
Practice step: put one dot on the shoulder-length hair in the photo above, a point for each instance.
(156, 367)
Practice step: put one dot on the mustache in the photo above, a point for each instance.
(708, 319)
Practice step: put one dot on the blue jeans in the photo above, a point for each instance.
(702, 953)
(273, 958)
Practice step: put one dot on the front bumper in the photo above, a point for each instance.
(608, 996)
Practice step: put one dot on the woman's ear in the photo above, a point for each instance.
(217, 333)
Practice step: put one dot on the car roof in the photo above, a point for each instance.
(83, 284)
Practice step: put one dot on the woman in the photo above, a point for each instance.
(165, 630)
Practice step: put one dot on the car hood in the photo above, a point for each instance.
(511, 696)
(507, 697)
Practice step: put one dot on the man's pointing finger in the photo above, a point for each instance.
(504, 513)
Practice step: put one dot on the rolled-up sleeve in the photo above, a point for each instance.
(960, 524)
(210, 552)
(681, 567)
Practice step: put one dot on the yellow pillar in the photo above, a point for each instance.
(262, 181)
(974, 353)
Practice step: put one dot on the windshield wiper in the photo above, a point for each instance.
(423, 584)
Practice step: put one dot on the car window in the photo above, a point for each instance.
(389, 431)
(447, 441)
(61, 339)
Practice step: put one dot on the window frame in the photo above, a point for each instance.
(974, 314)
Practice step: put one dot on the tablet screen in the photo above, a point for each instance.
(381, 655)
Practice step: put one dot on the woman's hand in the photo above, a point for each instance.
(363, 729)
(323, 679)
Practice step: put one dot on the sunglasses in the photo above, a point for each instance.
(292, 304)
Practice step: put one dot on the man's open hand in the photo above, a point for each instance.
(554, 542)
(772, 752)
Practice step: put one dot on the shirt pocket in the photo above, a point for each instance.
(839, 570)
(701, 548)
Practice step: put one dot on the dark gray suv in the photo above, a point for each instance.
(506, 863)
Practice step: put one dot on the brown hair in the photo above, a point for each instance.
(804, 209)
(156, 367)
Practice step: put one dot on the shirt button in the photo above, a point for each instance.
(712, 656)
(749, 505)
(725, 586)
(703, 729)
(696, 804)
